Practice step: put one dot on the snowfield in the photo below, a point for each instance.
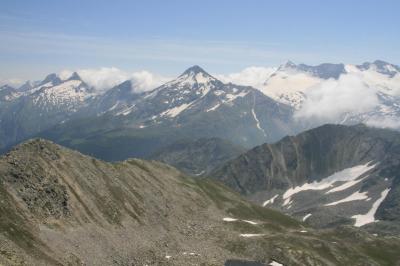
(369, 217)
(348, 175)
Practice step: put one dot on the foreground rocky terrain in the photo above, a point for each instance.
(59, 207)
(328, 176)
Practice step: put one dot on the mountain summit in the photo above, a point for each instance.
(74, 76)
(51, 79)
(194, 70)
(192, 76)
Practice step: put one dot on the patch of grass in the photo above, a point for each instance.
(245, 228)
(250, 211)
(237, 247)
(382, 253)
(215, 192)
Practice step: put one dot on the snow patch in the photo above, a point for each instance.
(274, 263)
(213, 108)
(114, 106)
(251, 235)
(369, 217)
(232, 97)
(249, 222)
(306, 217)
(345, 185)
(355, 196)
(258, 122)
(173, 112)
(348, 174)
(126, 111)
(289, 86)
(270, 201)
(228, 219)
(201, 78)
(219, 92)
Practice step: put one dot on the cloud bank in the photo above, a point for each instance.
(250, 76)
(328, 101)
(13, 82)
(107, 77)
(384, 122)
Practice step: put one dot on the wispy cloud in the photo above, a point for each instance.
(181, 50)
(384, 122)
(13, 82)
(107, 77)
(250, 76)
(104, 78)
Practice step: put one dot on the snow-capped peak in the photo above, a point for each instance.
(380, 67)
(194, 78)
(287, 65)
(194, 70)
(195, 74)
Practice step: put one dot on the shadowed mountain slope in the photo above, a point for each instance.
(329, 175)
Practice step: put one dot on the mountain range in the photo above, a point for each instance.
(60, 207)
(195, 105)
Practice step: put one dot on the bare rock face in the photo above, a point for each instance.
(38, 188)
(59, 207)
(328, 175)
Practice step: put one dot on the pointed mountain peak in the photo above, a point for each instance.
(53, 78)
(197, 73)
(195, 70)
(75, 76)
(193, 75)
(381, 67)
(125, 87)
(288, 65)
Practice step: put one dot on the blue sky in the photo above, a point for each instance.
(42, 36)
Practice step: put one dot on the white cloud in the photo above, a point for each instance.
(329, 100)
(250, 76)
(13, 82)
(145, 80)
(384, 122)
(107, 77)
